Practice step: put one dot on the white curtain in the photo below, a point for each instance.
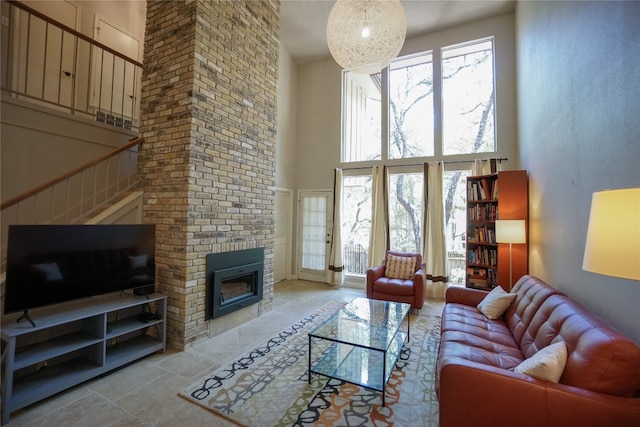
(435, 250)
(485, 167)
(336, 264)
(378, 236)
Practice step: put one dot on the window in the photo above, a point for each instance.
(425, 107)
(360, 118)
(314, 232)
(463, 110)
(411, 107)
(468, 98)
(405, 211)
(356, 223)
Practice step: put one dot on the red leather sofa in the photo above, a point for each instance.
(477, 386)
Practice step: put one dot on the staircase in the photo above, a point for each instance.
(37, 93)
(105, 190)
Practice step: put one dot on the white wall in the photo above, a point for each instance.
(579, 103)
(286, 121)
(286, 125)
(39, 144)
(318, 134)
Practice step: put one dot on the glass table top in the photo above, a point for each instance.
(364, 322)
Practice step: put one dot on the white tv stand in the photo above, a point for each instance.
(74, 342)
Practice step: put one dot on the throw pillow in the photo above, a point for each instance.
(495, 303)
(547, 364)
(400, 267)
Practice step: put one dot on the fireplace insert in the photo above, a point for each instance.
(234, 281)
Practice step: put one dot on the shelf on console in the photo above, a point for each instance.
(50, 349)
(74, 342)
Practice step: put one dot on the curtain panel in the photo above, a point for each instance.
(378, 239)
(434, 250)
(336, 264)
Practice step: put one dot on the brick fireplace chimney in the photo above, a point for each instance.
(208, 117)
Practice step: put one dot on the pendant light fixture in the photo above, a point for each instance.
(365, 35)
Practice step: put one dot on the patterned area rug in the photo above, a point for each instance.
(269, 386)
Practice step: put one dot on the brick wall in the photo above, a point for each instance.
(208, 116)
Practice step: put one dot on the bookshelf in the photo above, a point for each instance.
(503, 195)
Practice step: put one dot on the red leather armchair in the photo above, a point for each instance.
(410, 291)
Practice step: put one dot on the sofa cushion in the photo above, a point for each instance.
(468, 335)
(547, 364)
(400, 267)
(530, 292)
(495, 303)
(390, 286)
(599, 358)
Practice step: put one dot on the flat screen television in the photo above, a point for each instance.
(50, 264)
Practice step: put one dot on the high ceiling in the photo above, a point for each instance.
(303, 22)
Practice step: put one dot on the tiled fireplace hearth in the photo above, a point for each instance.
(234, 281)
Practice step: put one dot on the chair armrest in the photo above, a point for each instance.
(373, 274)
(418, 283)
(466, 296)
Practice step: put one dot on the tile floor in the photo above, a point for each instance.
(146, 392)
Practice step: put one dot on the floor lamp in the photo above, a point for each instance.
(612, 247)
(510, 231)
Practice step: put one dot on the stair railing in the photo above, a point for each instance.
(77, 194)
(46, 62)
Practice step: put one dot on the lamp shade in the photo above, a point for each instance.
(365, 35)
(613, 235)
(510, 231)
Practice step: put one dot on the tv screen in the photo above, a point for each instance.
(49, 264)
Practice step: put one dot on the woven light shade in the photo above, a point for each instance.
(365, 35)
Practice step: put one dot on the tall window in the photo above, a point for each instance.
(468, 98)
(411, 107)
(360, 118)
(356, 223)
(405, 211)
(432, 106)
(463, 109)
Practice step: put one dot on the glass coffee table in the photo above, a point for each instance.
(360, 343)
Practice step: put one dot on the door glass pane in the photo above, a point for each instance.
(314, 232)
(356, 223)
(468, 98)
(454, 193)
(405, 211)
(411, 107)
(361, 120)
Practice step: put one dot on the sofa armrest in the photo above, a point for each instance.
(466, 296)
(570, 406)
(480, 395)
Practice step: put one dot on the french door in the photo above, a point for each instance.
(314, 217)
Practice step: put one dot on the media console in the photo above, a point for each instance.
(75, 341)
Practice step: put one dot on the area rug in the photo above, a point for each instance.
(269, 385)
